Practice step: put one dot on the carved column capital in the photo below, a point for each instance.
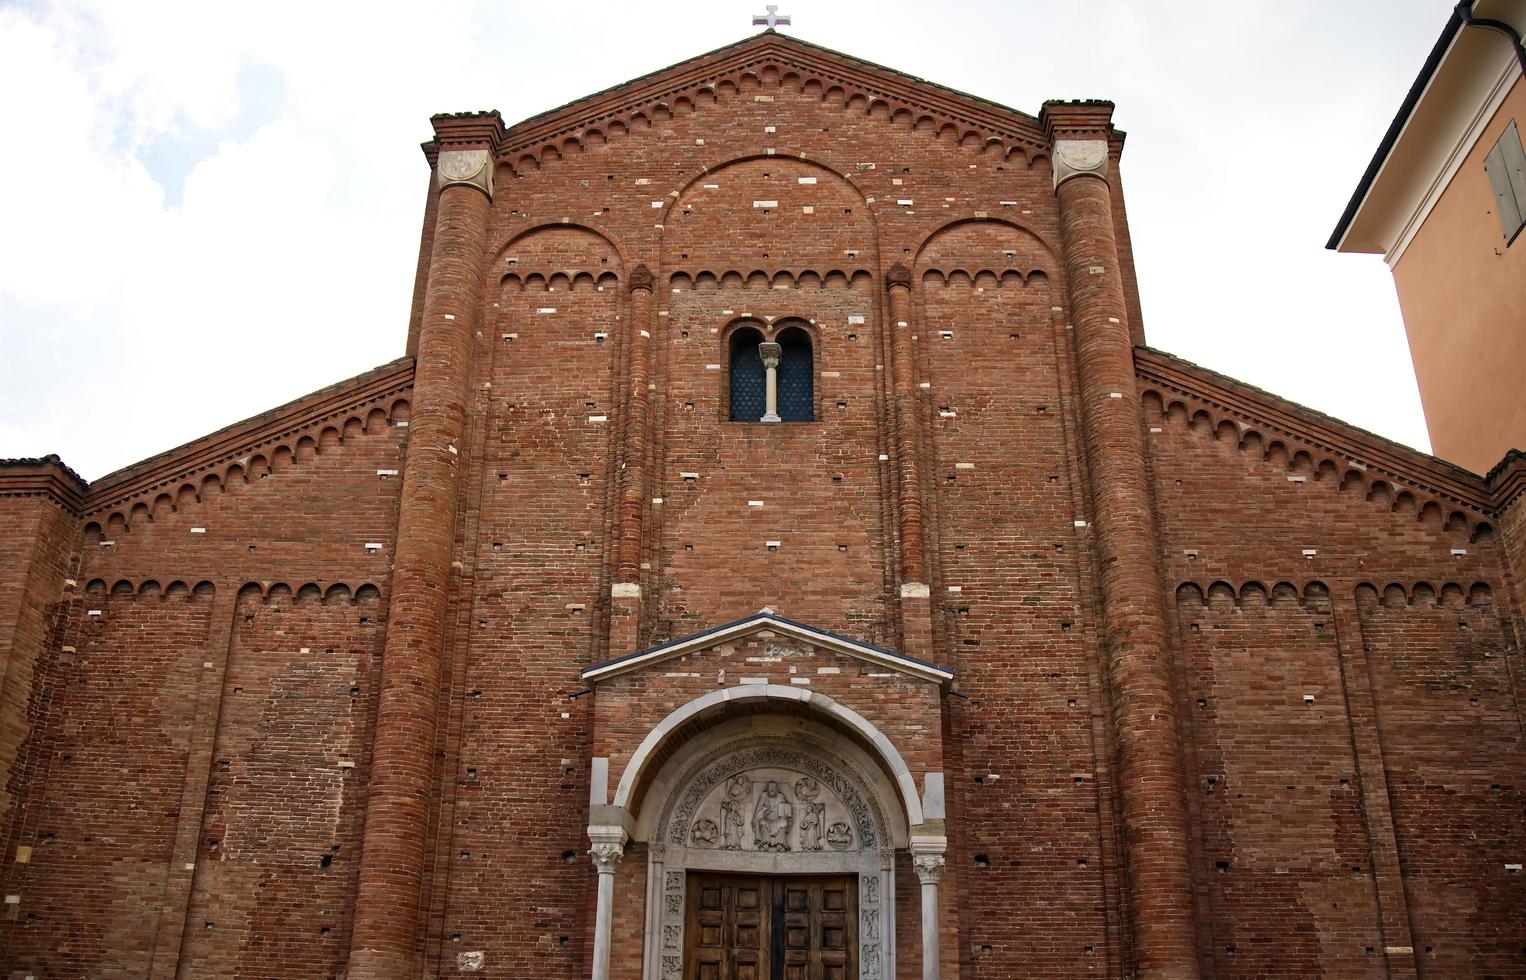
(466, 144)
(770, 353)
(929, 868)
(641, 278)
(898, 275)
(606, 856)
(1079, 158)
(471, 168)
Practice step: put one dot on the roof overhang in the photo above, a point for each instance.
(1464, 80)
(767, 620)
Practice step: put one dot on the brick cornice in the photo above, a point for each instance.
(786, 52)
(1077, 119)
(457, 130)
(46, 476)
(1507, 480)
(1266, 411)
(244, 437)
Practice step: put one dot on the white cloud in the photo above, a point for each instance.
(137, 313)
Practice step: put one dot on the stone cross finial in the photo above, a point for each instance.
(772, 19)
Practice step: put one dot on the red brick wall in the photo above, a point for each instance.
(1450, 720)
(1398, 784)
(280, 835)
(132, 755)
(37, 547)
(1284, 874)
(101, 811)
(130, 704)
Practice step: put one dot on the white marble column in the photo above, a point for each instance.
(606, 857)
(770, 353)
(929, 868)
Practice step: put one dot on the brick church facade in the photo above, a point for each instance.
(1015, 648)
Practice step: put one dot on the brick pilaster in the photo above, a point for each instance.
(389, 896)
(1372, 783)
(625, 615)
(1127, 541)
(916, 604)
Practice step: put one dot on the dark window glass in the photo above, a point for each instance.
(747, 396)
(796, 378)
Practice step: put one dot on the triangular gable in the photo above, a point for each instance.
(767, 620)
(989, 120)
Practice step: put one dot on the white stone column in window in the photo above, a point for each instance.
(927, 859)
(607, 850)
(770, 353)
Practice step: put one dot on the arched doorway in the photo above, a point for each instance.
(771, 821)
(761, 802)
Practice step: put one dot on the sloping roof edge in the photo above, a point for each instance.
(542, 125)
(1410, 466)
(766, 619)
(231, 439)
(1396, 128)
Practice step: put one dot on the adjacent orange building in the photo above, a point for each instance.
(1444, 202)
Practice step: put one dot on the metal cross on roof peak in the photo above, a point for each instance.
(771, 19)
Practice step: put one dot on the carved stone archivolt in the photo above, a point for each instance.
(772, 797)
(770, 804)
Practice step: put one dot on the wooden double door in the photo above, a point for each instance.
(771, 927)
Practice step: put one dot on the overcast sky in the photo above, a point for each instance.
(208, 209)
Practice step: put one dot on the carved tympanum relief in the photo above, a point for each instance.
(773, 804)
(772, 809)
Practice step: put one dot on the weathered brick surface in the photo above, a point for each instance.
(280, 838)
(38, 539)
(1136, 779)
(100, 815)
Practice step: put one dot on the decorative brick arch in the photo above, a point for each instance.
(887, 756)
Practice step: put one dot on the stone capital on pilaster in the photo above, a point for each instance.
(606, 857)
(608, 847)
(1079, 158)
(466, 145)
(898, 275)
(929, 868)
(469, 168)
(641, 278)
(1080, 133)
(770, 353)
(927, 850)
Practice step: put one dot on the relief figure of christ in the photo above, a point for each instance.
(772, 818)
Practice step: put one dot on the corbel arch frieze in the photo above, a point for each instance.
(1271, 444)
(768, 70)
(505, 244)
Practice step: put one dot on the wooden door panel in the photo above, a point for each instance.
(744, 927)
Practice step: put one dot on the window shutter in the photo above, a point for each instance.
(1506, 167)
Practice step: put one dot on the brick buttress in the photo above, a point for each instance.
(384, 945)
(1127, 543)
